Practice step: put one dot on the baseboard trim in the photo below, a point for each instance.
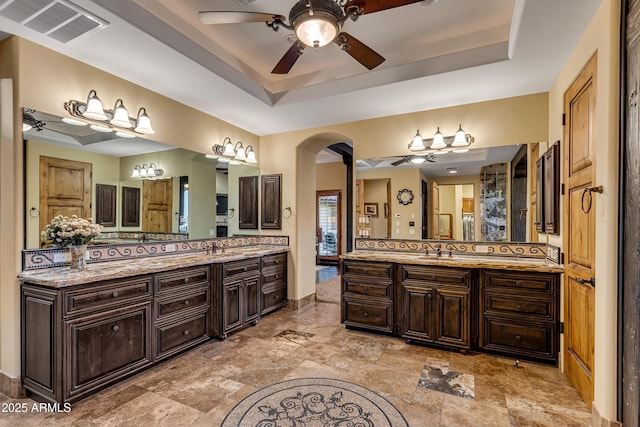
(597, 420)
(11, 387)
(299, 303)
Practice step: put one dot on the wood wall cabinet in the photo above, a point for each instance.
(274, 282)
(367, 295)
(552, 189)
(271, 196)
(539, 175)
(435, 305)
(248, 202)
(240, 294)
(106, 205)
(519, 314)
(130, 207)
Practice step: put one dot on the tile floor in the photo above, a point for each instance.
(199, 387)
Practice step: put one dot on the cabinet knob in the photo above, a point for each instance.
(115, 328)
(277, 261)
(186, 280)
(518, 337)
(186, 332)
(275, 297)
(277, 276)
(245, 269)
(518, 283)
(115, 294)
(429, 295)
(518, 306)
(365, 314)
(186, 302)
(365, 271)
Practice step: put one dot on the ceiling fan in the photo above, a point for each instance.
(416, 159)
(315, 23)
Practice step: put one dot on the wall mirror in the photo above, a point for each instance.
(191, 195)
(461, 196)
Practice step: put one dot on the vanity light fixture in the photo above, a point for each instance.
(110, 120)
(234, 155)
(440, 144)
(146, 171)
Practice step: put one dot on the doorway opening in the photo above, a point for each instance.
(329, 226)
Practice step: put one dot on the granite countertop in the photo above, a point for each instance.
(59, 277)
(463, 261)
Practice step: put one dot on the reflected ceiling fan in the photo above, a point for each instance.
(415, 159)
(316, 23)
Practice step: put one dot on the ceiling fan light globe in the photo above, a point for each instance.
(317, 30)
(26, 127)
(418, 160)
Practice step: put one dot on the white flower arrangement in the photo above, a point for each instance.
(63, 231)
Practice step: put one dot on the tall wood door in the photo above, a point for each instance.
(533, 185)
(579, 108)
(157, 195)
(65, 189)
(435, 210)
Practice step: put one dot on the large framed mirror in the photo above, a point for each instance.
(480, 195)
(183, 195)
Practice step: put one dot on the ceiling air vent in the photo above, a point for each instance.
(59, 19)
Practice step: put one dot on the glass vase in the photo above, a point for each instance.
(78, 260)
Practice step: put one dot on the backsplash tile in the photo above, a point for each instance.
(33, 259)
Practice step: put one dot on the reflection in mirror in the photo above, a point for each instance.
(477, 212)
(64, 163)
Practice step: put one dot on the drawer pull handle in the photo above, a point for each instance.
(518, 283)
(365, 314)
(186, 302)
(186, 280)
(365, 271)
(115, 328)
(518, 306)
(115, 294)
(186, 332)
(277, 261)
(245, 269)
(518, 337)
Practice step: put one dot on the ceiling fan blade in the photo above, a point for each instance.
(230, 17)
(359, 51)
(286, 62)
(370, 6)
(404, 159)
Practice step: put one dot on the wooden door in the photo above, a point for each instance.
(452, 317)
(417, 311)
(329, 226)
(519, 196)
(157, 195)
(435, 210)
(65, 189)
(251, 303)
(579, 107)
(535, 182)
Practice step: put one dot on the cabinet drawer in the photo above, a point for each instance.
(274, 260)
(368, 315)
(273, 297)
(518, 282)
(183, 302)
(370, 288)
(232, 270)
(367, 269)
(517, 337)
(107, 294)
(170, 281)
(497, 303)
(175, 337)
(436, 275)
(273, 274)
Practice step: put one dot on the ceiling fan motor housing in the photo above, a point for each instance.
(306, 10)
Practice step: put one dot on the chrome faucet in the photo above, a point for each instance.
(439, 249)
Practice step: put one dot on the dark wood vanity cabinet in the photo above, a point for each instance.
(435, 305)
(519, 314)
(274, 282)
(240, 294)
(367, 295)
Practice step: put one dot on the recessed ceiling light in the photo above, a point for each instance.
(100, 128)
(453, 171)
(70, 121)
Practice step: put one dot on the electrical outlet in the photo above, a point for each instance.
(397, 231)
(171, 248)
(59, 257)
(412, 231)
(481, 249)
(212, 232)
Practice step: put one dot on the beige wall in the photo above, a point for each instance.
(333, 176)
(602, 36)
(375, 191)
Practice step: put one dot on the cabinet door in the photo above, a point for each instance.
(251, 303)
(271, 202)
(540, 199)
(231, 305)
(551, 190)
(248, 202)
(106, 205)
(104, 347)
(417, 312)
(452, 317)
